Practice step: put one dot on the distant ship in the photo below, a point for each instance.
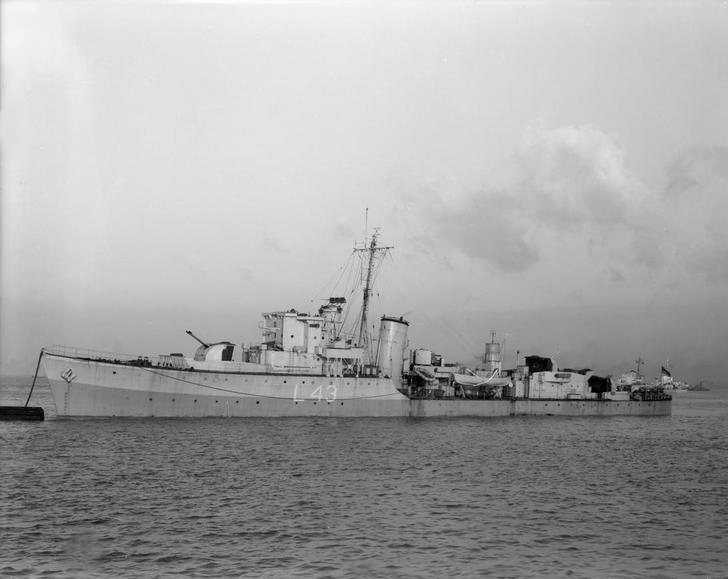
(699, 387)
(633, 381)
(667, 382)
(307, 365)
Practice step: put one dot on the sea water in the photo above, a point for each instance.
(496, 497)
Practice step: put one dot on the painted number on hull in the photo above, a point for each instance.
(320, 393)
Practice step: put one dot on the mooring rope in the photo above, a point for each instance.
(42, 351)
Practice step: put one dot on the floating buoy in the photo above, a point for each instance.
(24, 412)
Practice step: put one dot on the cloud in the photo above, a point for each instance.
(273, 244)
(486, 225)
(570, 186)
(572, 202)
(616, 275)
(569, 213)
(577, 176)
(711, 263)
(645, 247)
(697, 199)
(695, 169)
(245, 274)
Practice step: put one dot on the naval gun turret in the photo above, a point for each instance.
(217, 352)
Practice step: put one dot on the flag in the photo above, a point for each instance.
(665, 372)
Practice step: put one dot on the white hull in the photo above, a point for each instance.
(91, 388)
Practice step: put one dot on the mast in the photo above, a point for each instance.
(372, 252)
(639, 361)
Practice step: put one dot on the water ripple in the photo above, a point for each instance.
(512, 497)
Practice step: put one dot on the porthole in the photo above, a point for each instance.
(257, 401)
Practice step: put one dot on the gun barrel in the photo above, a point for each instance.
(189, 332)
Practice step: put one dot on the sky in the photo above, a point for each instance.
(556, 172)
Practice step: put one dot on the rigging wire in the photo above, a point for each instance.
(342, 270)
(439, 325)
(348, 272)
(349, 268)
(346, 316)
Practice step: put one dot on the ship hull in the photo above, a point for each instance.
(524, 407)
(90, 388)
(82, 387)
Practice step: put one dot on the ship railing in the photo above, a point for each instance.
(116, 357)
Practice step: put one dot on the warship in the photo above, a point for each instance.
(307, 364)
